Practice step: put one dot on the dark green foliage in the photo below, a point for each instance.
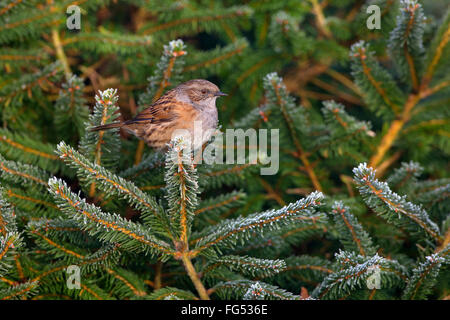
(359, 208)
(252, 290)
(167, 72)
(350, 232)
(10, 239)
(355, 274)
(424, 276)
(18, 291)
(381, 93)
(245, 265)
(406, 41)
(103, 147)
(227, 232)
(391, 206)
(71, 111)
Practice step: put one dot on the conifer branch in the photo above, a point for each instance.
(71, 111)
(19, 57)
(8, 138)
(19, 291)
(306, 268)
(405, 175)
(10, 239)
(345, 81)
(168, 70)
(109, 182)
(438, 48)
(424, 276)
(391, 206)
(226, 170)
(229, 230)
(346, 133)
(415, 45)
(221, 203)
(194, 276)
(405, 42)
(149, 163)
(10, 6)
(102, 146)
(138, 292)
(434, 196)
(28, 83)
(49, 272)
(90, 291)
(430, 91)
(299, 232)
(378, 85)
(107, 42)
(224, 54)
(130, 235)
(181, 188)
(250, 290)
(18, 24)
(168, 293)
(246, 265)
(49, 225)
(21, 197)
(354, 275)
(58, 246)
(25, 149)
(14, 144)
(255, 67)
(280, 99)
(22, 173)
(351, 233)
(234, 12)
(218, 221)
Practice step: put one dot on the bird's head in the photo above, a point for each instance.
(201, 91)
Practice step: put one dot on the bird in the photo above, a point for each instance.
(190, 104)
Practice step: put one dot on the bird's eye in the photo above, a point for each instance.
(204, 91)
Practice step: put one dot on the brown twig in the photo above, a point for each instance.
(194, 277)
(423, 91)
(339, 93)
(158, 272)
(394, 130)
(321, 22)
(300, 152)
(381, 169)
(272, 193)
(60, 53)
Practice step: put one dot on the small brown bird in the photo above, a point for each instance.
(192, 102)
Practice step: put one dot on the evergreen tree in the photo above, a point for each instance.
(359, 206)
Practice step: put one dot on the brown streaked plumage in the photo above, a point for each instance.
(179, 108)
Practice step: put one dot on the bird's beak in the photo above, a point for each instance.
(220, 93)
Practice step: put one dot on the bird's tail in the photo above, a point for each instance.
(108, 126)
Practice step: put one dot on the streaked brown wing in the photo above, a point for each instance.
(159, 112)
(156, 123)
(158, 135)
